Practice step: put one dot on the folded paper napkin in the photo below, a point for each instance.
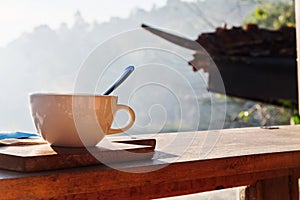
(17, 135)
(20, 138)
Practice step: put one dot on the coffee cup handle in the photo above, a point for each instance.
(132, 119)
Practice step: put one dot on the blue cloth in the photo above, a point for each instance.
(18, 135)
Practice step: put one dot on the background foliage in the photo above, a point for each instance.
(270, 15)
(273, 15)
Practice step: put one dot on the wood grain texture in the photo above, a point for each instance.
(237, 157)
(275, 188)
(30, 158)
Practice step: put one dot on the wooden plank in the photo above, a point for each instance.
(226, 142)
(29, 158)
(238, 157)
(181, 178)
(275, 188)
(105, 183)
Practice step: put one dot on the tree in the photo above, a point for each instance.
(273, 15)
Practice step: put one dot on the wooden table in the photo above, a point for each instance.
(267, 160)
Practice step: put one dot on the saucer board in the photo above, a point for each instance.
(40, 157)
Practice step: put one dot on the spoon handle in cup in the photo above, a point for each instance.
(120, 80)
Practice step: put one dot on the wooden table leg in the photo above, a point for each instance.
(278, 188)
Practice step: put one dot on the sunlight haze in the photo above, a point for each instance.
(18, 16)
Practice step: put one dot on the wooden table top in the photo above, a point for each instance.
(183, 163)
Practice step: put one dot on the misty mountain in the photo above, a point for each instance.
(163, 90)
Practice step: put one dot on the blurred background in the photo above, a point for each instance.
(43, 45)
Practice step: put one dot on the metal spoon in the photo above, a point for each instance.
(120, 80)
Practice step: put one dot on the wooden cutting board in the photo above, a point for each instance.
(39, 157)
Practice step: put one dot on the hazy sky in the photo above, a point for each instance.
(18, 16)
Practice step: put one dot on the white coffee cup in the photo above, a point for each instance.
(75, 120)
